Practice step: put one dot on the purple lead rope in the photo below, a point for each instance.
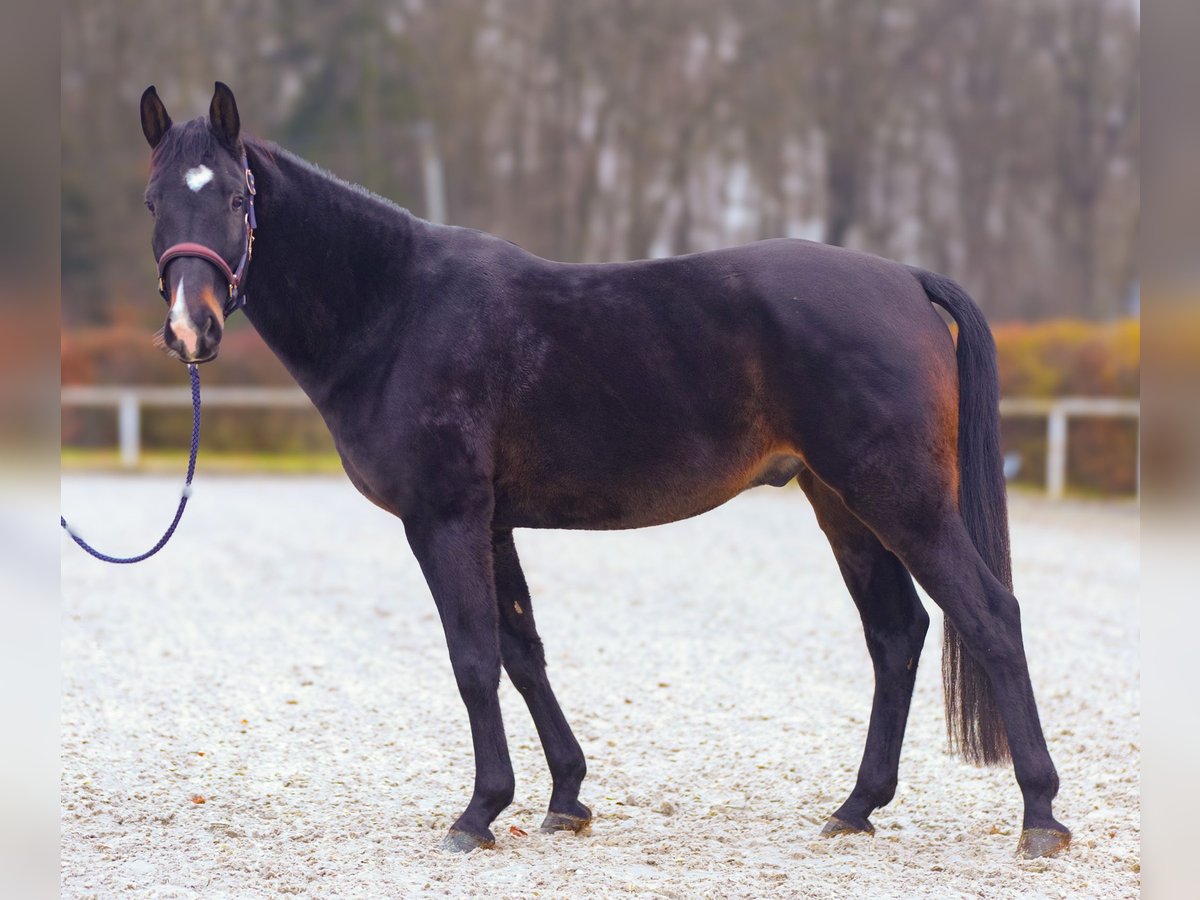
(187, 490)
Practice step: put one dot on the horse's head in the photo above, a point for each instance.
(198, 197)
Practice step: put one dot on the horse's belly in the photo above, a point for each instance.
(638, 431)
(640, 496)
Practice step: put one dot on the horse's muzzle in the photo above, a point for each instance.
(195, 338)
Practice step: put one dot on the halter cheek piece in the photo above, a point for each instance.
(235, 278)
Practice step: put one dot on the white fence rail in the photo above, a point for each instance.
(1056, 412)
(129, 402)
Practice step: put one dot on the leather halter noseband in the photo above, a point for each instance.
(235, 278)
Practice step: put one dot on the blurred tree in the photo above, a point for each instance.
(996, 141)
(1094, 48)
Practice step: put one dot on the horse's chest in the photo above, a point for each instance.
(426, 466)
(365, 486)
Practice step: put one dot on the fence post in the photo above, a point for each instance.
(1137, 472)
(129, 428)
(1056, 451)
(431, 173)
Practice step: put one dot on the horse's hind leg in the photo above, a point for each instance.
(525, 662)
(894, 623)
(922, 525)
(988, 619)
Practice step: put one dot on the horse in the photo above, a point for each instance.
(473, 388)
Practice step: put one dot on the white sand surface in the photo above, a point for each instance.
(282, 660)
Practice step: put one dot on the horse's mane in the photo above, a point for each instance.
(273, 153)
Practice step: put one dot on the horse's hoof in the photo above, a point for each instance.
(556, 821)
(836, 826)
(460, 842)
(1039, 842)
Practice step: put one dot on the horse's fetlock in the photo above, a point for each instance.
(881, 794)
(573, 770)
(868, 795)
(501, 794)
(1040, 783)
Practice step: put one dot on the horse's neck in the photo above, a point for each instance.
(328, 270)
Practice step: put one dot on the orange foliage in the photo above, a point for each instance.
(1069, 358)
(1079, 359)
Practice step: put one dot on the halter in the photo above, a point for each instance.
(233, 277)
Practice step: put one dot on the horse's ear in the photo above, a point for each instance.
(155, 120)
(223, 114)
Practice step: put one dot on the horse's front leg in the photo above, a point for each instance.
(455, 554)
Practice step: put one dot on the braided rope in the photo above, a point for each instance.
(187, 490)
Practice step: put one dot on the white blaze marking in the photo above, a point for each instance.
(198, 177)
(181, 322)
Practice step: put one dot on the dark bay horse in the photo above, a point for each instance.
(473, 388)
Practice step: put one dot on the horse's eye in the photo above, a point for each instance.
(237, 203)
(150, 206)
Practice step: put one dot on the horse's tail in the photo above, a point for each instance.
(973, 722)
